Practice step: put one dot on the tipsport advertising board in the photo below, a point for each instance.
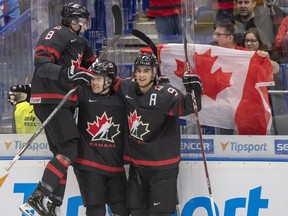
(239, 188)
(234, 147)
(216, 146)
(10, 145)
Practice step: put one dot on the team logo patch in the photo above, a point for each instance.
(103, 129)
(137, 128)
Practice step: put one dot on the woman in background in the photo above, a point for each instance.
(253, 42)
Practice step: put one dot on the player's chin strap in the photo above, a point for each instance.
(80, 24)
(77, 32)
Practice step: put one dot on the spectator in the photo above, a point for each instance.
(13, 10)
(9, 11)
(253, 42)
(281, 42)
(25, 120)
(224, 9)
(168, 18)
(275, 12)
(226, 35)
(249, 16)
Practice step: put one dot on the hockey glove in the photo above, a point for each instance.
(79, 76)
(19, 93)
(191, 83)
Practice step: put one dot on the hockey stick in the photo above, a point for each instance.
(149, 42)
(188, 68)
(117, 34)
(5, 172)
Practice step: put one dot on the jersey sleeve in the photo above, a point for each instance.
(181, 105)
(47, 52)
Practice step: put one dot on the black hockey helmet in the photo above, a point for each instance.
(147, 59)
(106, 68)
(73, 11)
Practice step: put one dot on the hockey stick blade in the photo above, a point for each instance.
(118, 19)
(149, 42)
(146, 39)
(4, 173)
(116, 11)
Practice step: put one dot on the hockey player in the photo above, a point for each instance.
(61, 57)
(99, 165)
(153, 147)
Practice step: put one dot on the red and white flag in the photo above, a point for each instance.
(235, 94)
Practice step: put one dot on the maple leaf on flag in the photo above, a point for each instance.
(213, 83)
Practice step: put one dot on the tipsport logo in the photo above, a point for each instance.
(8, 144)
(281, 147)
(243, 147)
(193, 146)
(35, 146)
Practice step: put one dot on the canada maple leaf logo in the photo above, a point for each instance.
(137, 128)
(213, 83)
(103, 129)
(78, 61)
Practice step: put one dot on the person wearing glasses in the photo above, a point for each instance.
(226, 35)
(253, 42)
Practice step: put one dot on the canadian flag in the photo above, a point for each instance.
(235, 94)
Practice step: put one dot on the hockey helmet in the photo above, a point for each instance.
(72, 11)
(147, 59)
(106, 68)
